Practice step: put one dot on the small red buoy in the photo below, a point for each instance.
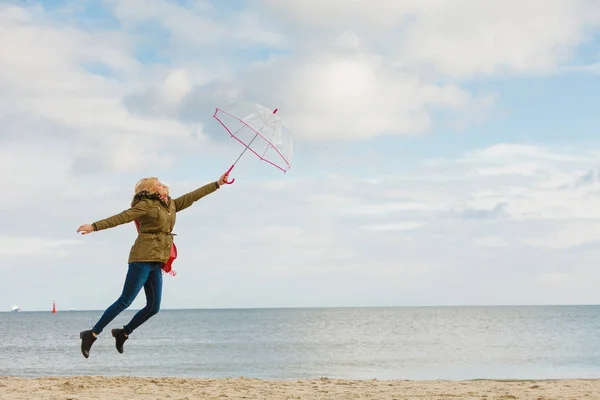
(53, 307)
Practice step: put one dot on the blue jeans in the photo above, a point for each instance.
(140, 274)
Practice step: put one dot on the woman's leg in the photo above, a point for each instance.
(137, 275)
(153, 290)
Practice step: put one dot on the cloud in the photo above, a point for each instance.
(44, 78)
(466, 38)
(200, 26)
(88, 104)
(593, 68)
(340, 84)
(31, 169)
(309, 241)
(459, 38)
(589, 178)
(325, 96)
(484, 214)
(358, 71)
(401, 226)
(13, 246)
(417, 203)
(426, 243)
(333, 96)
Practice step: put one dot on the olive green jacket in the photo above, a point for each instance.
(156, 219)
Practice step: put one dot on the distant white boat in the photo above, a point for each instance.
(16, 309)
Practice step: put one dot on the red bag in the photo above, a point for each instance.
(167, 266)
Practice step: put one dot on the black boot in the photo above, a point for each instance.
(120, 338)
(87, 339)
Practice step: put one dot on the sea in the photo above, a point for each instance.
(424, 343)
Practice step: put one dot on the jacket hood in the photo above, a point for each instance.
(144, 194)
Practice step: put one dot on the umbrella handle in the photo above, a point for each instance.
(228, 171)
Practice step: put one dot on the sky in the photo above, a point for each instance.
(446, 152)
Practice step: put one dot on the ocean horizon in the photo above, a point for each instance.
(325, 307)
(396, 342)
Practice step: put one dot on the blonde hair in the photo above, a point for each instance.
(146, 184)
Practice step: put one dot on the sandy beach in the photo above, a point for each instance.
(104, 388)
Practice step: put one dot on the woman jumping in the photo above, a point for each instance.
(154, 212)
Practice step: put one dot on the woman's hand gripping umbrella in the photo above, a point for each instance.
(259, 130)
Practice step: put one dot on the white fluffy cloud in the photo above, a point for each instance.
(442, 234)
(80, 112)
(350, 71)
(358, 70)
(458, 38)
(12, 246)
(415, 239)
(44, 77)
(464, 38)
(200, 25)
(328, 96)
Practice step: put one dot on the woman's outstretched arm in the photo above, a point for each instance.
(123, 217)
(183, 202)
